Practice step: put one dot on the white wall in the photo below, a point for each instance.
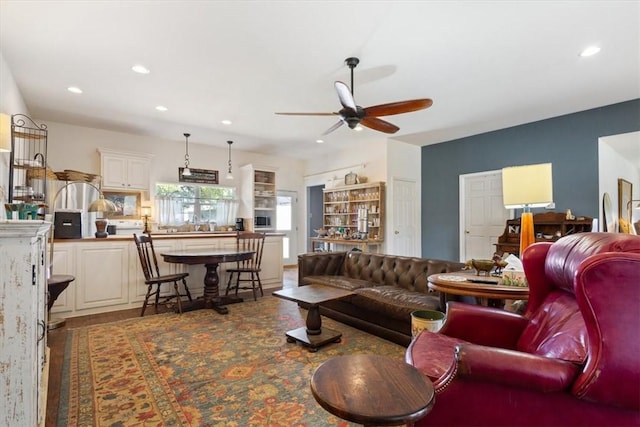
(11, 102)
(403, 162)
(614, 164)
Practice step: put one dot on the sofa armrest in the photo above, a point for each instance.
(513, 368)
(320, 264)
(483, 325)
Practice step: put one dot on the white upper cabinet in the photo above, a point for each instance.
(124, 171)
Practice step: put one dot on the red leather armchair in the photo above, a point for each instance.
(573, 357)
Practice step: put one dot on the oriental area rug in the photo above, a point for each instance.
(202, 369)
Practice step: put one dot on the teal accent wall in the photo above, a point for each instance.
(570, 142)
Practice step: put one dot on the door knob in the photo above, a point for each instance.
(396, 232)
(466, 231)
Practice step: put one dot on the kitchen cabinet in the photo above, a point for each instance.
(343, 206)
(258, 198)
(23, 338)
(109, 276)
(124, 171)
(102, 269)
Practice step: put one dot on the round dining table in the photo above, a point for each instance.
(211, 259)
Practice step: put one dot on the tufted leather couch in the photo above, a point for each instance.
(571, 359)
(387, 288)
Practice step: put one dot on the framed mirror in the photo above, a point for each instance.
(608, 221)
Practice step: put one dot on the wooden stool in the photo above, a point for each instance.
(55, 285)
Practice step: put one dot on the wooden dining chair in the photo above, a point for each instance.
(247, 270)
(153, 278)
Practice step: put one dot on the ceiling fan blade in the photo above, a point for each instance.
(398, 107)
(346, 98)
(334, 127)
(380, 125)
(308, 114)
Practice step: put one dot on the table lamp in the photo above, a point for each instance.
(526, 187)
(103, 206)
(146, 213)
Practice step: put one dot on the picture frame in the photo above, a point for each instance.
(127, 204)
(625, 193)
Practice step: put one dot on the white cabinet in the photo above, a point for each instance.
(124, 171)
(109, 276)
(103, 272)
(23, 290)
(258, 197)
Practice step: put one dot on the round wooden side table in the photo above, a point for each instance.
(372, 390)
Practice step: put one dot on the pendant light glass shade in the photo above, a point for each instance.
(229, 174)
(186, 171)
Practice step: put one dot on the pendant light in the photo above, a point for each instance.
(229, 175)
(186, 171)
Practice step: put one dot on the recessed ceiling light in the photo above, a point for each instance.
(141, 69)
(226, 122)
(161, 108)
(74, 89)
(590, 51)
(320, 141)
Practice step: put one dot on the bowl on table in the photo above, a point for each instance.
(485, 265)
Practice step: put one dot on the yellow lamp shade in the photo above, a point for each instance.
(527, 186)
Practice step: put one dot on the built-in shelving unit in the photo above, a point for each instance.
(259, 198)
(344, 205)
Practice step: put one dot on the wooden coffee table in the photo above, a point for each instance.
(372, 390)
(313, 335)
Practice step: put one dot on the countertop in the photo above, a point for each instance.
(161, 236)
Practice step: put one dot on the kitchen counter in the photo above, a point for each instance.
(109, 276)
(163, 236)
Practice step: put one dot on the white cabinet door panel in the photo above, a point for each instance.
(102, 278)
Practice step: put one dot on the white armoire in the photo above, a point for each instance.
(23, 322)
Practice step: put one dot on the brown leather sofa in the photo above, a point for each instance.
(387, 289)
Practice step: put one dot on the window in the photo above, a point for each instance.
(180, 204)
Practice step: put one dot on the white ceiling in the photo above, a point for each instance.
(486, 64)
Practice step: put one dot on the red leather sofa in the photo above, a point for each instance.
(572, 358)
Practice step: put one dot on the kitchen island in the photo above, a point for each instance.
(109, 276)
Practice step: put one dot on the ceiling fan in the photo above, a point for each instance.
(353, 114)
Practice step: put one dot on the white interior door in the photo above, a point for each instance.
(405, 217)
(287, 223)
(482, 214)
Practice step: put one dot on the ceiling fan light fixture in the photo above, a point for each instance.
(356, 117)
(229, 174)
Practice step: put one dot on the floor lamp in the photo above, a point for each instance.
(526, 187)
(56, 283)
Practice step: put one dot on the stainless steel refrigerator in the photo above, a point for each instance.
(74, 196)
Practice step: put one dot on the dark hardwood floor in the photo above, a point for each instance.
(56, 340)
